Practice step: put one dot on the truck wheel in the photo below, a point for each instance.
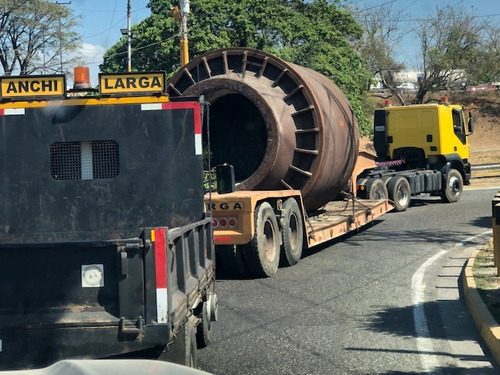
(453, 187)
(376, 189)
(399, 193)
(292, 233)
(204, 328)
(263, 252)
(191, 358)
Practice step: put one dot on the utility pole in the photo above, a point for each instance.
(184, 10)
(60, 37)
(129, 38)
(128, 33)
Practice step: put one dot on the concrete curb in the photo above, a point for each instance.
(486, 324)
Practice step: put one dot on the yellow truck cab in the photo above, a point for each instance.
(421, 149)
(425, 136)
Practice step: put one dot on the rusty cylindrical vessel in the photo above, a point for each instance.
(281, 125)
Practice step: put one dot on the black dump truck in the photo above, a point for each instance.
(105, 245)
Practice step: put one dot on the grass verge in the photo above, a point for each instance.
(487, 281)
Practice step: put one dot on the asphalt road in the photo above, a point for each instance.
(372, 303)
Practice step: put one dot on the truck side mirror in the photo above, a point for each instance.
(225, 178)
(470, 124)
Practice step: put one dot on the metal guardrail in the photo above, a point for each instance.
(495, 207)
(485, 167)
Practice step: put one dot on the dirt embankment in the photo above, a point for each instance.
(485, 142)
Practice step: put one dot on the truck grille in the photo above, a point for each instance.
(84, 160)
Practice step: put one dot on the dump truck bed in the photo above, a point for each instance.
(106, 248)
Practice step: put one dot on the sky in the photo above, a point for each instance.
(408, 51)
(100, 24)
(102, 20)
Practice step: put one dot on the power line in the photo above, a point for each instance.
(112, 27)
(375, 6)
(109, 30)
(93, 60)
(432, 18)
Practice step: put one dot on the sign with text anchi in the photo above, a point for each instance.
(132, 83)
(33, 86)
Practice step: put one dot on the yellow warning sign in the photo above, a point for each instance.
(33, 86)
(134, 83)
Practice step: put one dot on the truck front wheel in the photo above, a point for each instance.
(292, 232)
(453, 187)
(399, 193)
(263, 252)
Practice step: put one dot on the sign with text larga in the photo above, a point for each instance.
(132, 83)
(33, 86)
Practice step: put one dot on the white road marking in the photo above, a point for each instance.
(424, 342)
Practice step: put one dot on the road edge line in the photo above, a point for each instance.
(423, 341)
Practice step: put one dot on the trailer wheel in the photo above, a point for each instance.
(204, 328)
(453, 187)
(292, 233)
(376, 189)
(191, 359)
(183, 349)
(399, 193)
(263, 252)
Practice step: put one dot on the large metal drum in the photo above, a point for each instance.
(281, 125)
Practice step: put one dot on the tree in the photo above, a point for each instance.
(35, 35)
(380, 39)
(485, 61)
(317, 34)
(455, 45)
(449, 42)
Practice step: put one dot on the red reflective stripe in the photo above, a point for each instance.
(222, 239)
(160, 258)
(197, 119)
(2, 112)
(187, 105)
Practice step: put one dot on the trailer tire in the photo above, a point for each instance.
(454, 185)
(376, 189)
(191, 350)
(399, 193)
(204, 328)
(292, 233)
(183, 350)
(263, 251)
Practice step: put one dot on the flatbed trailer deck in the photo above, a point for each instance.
(341, 217)
(254, 229)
